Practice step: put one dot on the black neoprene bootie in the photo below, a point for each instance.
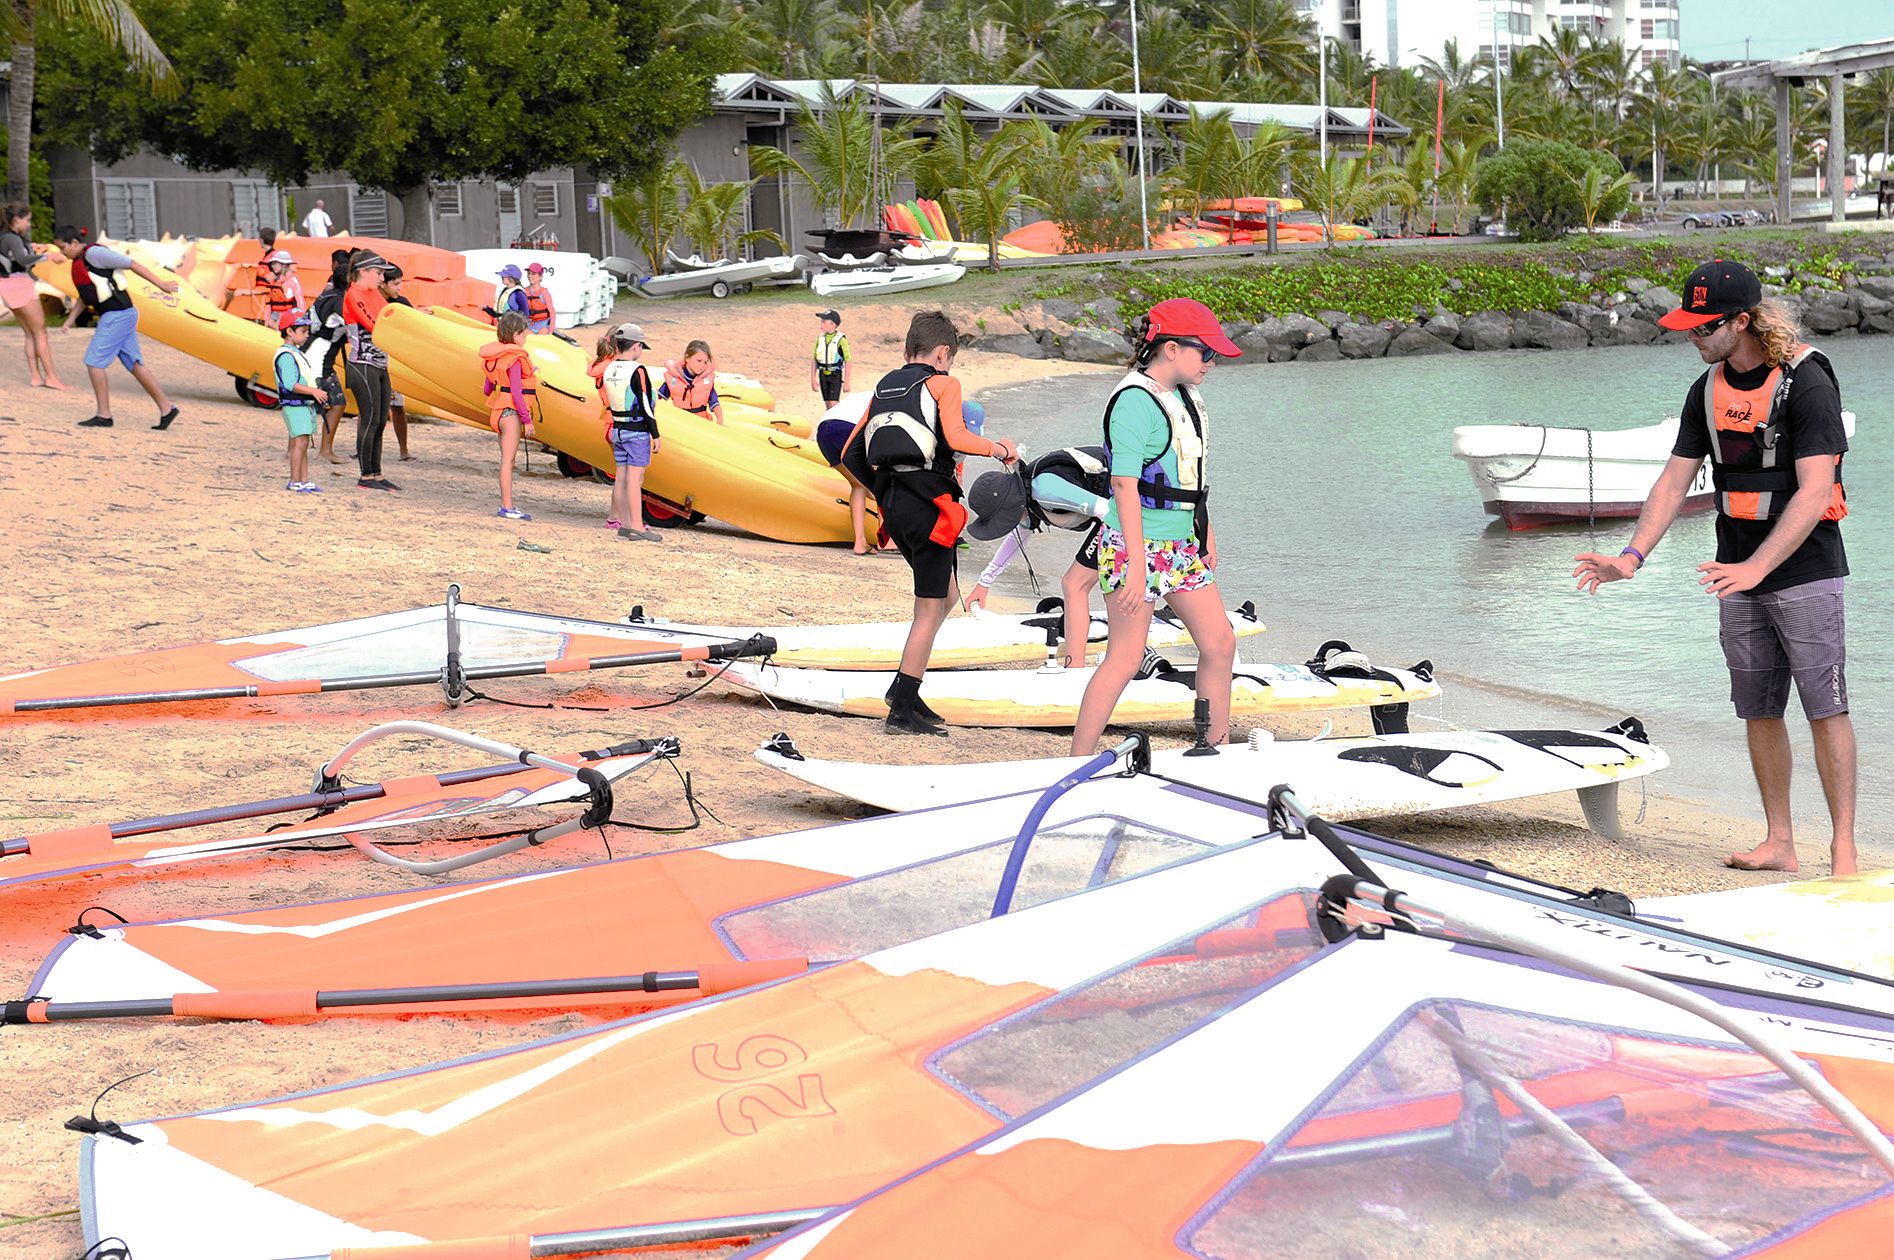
(904, 714)
(914, 699)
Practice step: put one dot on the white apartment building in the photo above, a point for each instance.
(1401, 32)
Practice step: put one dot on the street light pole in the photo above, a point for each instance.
(1321, 92)
(1499, 92)
(1137, 93)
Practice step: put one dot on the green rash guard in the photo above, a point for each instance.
(1137, 431)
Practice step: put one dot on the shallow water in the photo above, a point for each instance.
(1341, 511)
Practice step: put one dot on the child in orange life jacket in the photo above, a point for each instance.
(631, 426)
(540, 317)
(511, 386)
(692, 382)
(281, 291)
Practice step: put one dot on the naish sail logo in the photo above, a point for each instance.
(1632, 938)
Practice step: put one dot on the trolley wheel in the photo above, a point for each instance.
(570, 467)
(657, 509)
(720, 289)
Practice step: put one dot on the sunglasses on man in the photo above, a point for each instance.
(1704, 330)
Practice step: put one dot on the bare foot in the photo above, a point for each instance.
(406, 456)
(1770, 855)
(54, 383)
(332, 457)
(1842, 859)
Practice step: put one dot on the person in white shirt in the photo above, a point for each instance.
(317, 222)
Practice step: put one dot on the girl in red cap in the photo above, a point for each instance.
(1157, 542)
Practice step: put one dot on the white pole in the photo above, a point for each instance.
(1137, 90)
(1321, 119)
(1499, 93)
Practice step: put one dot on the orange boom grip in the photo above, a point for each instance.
(699, 653)
(299, 687)
(723, 977)
(247, 1004)
(72, 841)
(514, 1247)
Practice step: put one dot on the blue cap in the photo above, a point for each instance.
(510, 272)
(974, 415)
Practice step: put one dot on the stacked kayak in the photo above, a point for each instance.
(582, 290)
(430, 276)
(735, 473)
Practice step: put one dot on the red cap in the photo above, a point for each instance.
(534, 266)
(1187, 317)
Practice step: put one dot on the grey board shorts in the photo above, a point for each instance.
(1794, 633)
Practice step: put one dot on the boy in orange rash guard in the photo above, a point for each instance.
(905, 447)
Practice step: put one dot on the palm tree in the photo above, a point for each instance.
(648, 211)
(993, 192)
(1344, 190)
(1209, 163)
(1613, 71)
(114, 20)
(1264, 37)
(1562, 57)
(1459, 166)
(847, 177)
(790, 35)
(1596, 190)
(1262, 158)
(1083, 50)
(1409, 192)
(1173, 57)
(1871, 100)
(1656, 112)
(1058, 164)
(713, 214)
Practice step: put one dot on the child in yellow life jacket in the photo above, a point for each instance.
(691, 383)
(511, 385)
(631, 426)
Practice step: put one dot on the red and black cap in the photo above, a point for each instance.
(1713, 291)
(1187, 317)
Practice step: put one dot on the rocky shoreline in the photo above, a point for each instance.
(1862, 303)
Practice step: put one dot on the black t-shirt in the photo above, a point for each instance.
(1814, 428)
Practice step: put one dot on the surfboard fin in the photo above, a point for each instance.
(1600, 803)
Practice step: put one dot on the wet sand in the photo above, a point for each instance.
(128, 539)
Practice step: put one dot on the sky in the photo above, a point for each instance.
(1713, 30)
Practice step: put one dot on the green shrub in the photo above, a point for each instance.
(1541, 185)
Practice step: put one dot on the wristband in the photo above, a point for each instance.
(1633, 551)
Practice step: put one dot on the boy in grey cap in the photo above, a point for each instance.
(831, 367)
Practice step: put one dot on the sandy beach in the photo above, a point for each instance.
(127, 539)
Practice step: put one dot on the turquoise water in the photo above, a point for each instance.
(1341, 511)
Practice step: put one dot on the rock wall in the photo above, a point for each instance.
(1095, 332)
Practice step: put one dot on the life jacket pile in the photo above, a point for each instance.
(1189, 435)
(692, 395)
(497, 358)
(1752, 453)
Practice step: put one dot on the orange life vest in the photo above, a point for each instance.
(691, 395)
(597, 372)
(1752, 455)
(538, 305)
(498, 358)
(280, 304)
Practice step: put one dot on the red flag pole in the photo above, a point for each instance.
(1440, 114)
(1371, 87)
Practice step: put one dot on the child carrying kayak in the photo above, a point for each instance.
(511, 385)
(691, 383)
(631, 426)
(299, 387)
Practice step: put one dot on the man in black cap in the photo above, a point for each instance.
(830, 367)
(1767, 414)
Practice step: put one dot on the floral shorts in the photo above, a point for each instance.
(1172, 565)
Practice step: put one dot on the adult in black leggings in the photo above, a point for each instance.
(367, 364)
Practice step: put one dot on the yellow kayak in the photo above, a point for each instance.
(753, 404)
(721, 471)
